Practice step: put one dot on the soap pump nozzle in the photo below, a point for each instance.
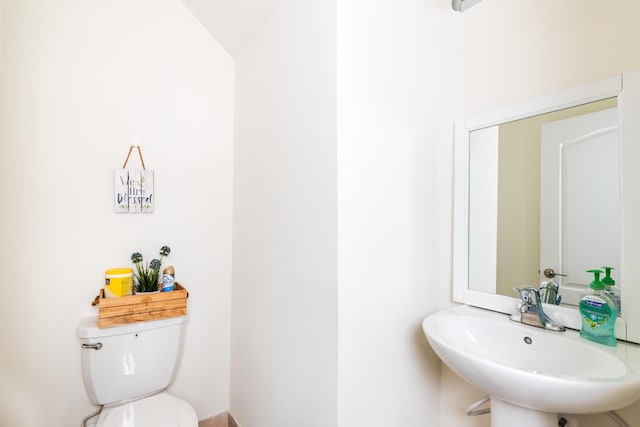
(607, 280)
(611, 289)
(596, 284)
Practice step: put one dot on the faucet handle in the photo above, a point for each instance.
(529, 295)
(522, 308)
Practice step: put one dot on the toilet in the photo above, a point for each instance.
(126, 370)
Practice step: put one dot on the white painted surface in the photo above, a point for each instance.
(383, 217)
(234, 23)
(393, 215)
(629, 105)
(483, 209)
(418, 67)
(80, 81)
(580, 198)
(284, 320)
(501, 58)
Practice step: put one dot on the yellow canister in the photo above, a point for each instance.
(118, 282)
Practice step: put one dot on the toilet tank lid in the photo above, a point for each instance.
(88, 326)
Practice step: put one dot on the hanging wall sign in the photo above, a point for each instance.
(133, 188)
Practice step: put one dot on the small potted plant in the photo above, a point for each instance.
(147, 275)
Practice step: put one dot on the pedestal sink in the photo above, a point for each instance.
(532, 374)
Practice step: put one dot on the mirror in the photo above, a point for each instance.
(544, 194)
(550, 184)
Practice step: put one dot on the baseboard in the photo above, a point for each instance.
(224, 419)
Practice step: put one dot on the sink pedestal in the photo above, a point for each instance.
(505, 414)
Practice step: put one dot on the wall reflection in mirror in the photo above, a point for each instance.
(544, 195)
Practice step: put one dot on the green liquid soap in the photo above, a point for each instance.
(599, 313)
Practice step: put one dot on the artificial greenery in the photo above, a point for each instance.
(148, 274)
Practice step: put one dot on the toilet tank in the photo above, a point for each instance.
(129, 361)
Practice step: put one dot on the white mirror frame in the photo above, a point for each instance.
(626, 87)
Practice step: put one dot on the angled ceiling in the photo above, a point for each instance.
(233, 22)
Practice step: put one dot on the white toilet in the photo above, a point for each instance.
(127, 370)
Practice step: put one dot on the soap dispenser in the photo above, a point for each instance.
(611, 289)
(598, 312)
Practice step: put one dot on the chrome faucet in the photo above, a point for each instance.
(530, 310)
(549, 292)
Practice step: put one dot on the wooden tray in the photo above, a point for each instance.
(141, 307)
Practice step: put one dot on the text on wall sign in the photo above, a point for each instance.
(133, 188)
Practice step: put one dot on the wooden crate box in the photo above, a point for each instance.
(141, 307)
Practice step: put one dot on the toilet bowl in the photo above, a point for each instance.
(160, 410)
(126, 369)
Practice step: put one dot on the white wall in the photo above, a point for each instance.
(283, 351)
(405, 72)
(234, 23)
(81, 81)
(504, 52)
(357, 210)
(393, 227)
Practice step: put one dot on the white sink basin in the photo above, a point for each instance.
(532, 368)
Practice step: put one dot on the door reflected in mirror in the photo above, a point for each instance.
(544, 193)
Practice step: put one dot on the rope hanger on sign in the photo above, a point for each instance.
(124, 166)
